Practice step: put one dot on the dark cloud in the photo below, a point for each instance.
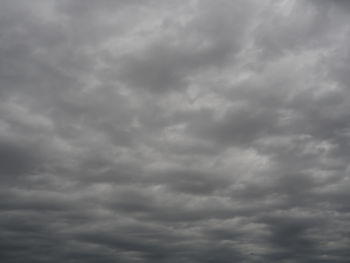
(172, 131)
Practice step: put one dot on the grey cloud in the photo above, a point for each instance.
(147, 131)
(17, 160)
(237, 126)
(291, 237)
(191, 181)
(209, 40)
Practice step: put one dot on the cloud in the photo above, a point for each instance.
(198, 131)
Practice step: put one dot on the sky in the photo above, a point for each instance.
(199, 131)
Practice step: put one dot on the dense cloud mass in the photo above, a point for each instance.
(174, 131)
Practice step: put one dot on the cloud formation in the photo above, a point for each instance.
(174, 131)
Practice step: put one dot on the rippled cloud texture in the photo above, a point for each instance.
(174, 131)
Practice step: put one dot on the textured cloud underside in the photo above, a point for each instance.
(174, 131)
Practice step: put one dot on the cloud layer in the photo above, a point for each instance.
(174, 131)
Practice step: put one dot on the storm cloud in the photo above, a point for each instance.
(174, 131)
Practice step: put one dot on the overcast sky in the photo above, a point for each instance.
(199, 131)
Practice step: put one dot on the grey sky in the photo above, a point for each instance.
(174, 131)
